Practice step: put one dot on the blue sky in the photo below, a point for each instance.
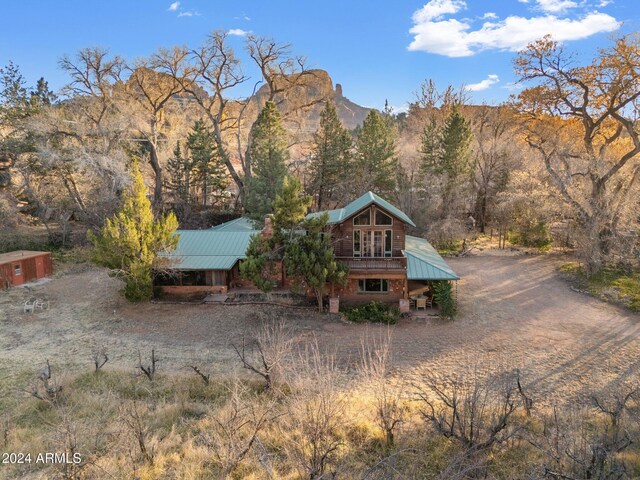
(376, 49)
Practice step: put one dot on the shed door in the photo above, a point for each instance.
(40, 267)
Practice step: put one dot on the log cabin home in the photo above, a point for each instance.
(370, 235)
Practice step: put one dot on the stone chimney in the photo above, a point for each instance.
(267, 230)
(338, 90)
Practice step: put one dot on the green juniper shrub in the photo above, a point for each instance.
(443, 295)
(375, 312)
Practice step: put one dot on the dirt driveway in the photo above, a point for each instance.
(515, 312)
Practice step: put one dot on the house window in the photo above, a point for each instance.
(373, 285)
(357, 243)
(388, 243)
(382, 218)
(17, 269)
(372, 243)
(363, 219)
(378, 246)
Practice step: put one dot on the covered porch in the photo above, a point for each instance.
(191, 282)
(425, 267)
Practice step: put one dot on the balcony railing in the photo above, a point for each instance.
(374, 263)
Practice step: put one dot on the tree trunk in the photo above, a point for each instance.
(597, 234)
(481, 212)
(157, 171)
(319, 297)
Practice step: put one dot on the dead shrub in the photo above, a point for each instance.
(315, 417)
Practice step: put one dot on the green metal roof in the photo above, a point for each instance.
(424, 262)
(213, 249)
(341, 214)
(220, 247)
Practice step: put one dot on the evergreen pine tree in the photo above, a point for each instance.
(455, 160)
(42, 96)
(431, 148)
(259, 266)
(310, 260)
(456, 146)
(209, 173)
(331, 159)
(129, 241)
(290, 206)
(268, 152)
(179, 170)
(15, 106)
(376, 162)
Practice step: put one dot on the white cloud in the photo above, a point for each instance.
(238, 32)
(555, 6)
(173, 7)
(189, 14)
(457, 38)
(436, 9)
(489, 15)
(484, 84)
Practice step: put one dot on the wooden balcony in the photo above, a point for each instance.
(374, 263)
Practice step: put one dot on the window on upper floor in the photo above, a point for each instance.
(382, 218)
(363, 218)
(357, 243)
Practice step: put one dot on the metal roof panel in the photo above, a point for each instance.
(424, 262)
(209, 249)
(341, 214)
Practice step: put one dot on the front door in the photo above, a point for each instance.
(376, 243)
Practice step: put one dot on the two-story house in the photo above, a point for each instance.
(369, 235)
(385, 264)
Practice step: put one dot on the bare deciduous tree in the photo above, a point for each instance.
(216, 71)
(94, 76)
(375, 370)
(99, 357)
(205, 377)
(148, 370)
(133, 417)
(152, 84)
(493, 140)
(235, 427)
(587, 443)
(475, 411)
(267, 350)
(315, 417)
(48, 388)
(583, 121)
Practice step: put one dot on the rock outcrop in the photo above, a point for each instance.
(315, 87)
